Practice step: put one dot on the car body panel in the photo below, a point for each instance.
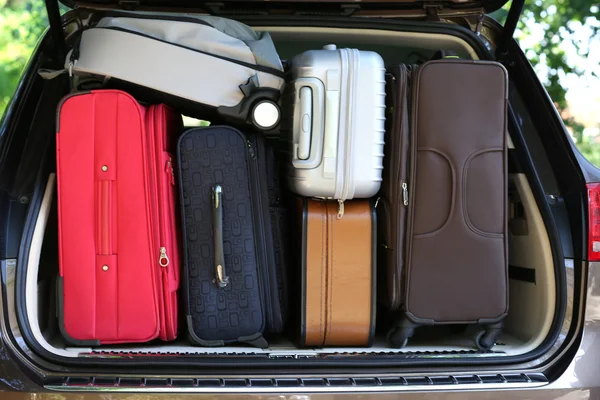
(580, 380)
(584, 369)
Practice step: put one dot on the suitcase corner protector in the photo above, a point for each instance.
(417, 320)
(256, 340)
(194, 338)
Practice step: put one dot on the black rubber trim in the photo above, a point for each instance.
(524, 158)
(492, 321)
(521, 273)
(424, 321)
(256, 340)
(259, 68)
(60, 307)
(304, 226)
(513, 163)
(374, 248)
(192, 334)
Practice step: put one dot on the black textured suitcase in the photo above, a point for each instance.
(234, 286)
(279, 224)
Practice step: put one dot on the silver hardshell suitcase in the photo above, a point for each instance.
(208, 65)
(337, 126)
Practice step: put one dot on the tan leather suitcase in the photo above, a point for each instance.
(443, 204)
(338, 273)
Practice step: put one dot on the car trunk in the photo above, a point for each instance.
(533, 285)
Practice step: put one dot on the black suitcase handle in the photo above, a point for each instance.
(221, 278)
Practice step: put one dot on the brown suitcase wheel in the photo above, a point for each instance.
(486, 339)
(398, 335)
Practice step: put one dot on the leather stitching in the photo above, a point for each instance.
(466, 218)
(452, 195)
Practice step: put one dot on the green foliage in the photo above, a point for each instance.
(560, 21)
(584, 143)
(21, 26)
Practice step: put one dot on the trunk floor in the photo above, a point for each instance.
(445, 347)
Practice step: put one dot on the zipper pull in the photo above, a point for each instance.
(479, 24)
(340, 209)
(75, 52)
(163, 259)
(170, 167)
(251, 150)
(74, 56)
(405, 193)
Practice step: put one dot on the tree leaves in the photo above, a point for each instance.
(546, 30)
(21, 26)
(560, 19)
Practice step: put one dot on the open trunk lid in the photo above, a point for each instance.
(412, 8)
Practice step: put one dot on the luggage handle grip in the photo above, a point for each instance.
(309, 123)
(221, 278)
(104, 215)
(305, 123)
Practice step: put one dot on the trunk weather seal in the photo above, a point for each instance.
(304, 234)
(374, 247)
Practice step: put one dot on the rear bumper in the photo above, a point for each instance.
(580, 378)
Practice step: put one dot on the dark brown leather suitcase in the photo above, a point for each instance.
(338, 273)
(444, 207)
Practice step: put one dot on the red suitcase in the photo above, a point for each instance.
(119, 263)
